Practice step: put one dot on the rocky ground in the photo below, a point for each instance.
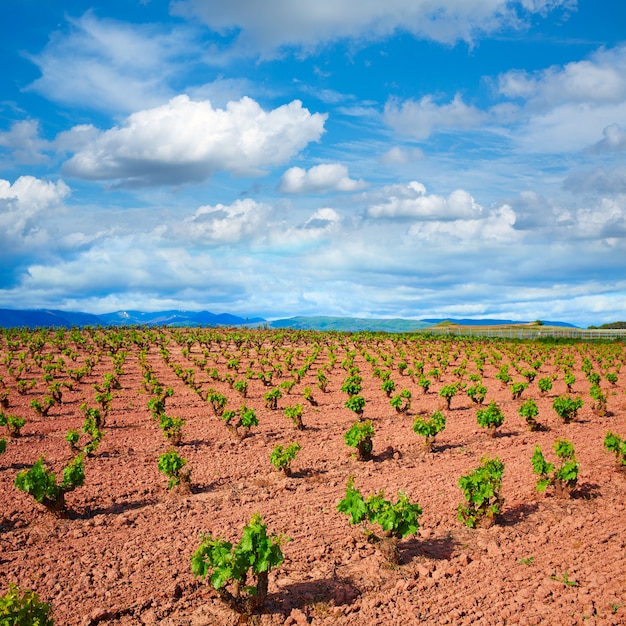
(123, 554)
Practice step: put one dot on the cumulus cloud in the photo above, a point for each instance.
(498, 227)
(187, 141)
(323, 219)
(319, 179)
(28, 196)
(24, 206)
(412, 202)
(613, 140)
(221, 224)
(267, 27)
(419, 119)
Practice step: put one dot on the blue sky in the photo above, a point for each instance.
(464, 158)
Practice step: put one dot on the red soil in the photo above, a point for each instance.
(123, 555)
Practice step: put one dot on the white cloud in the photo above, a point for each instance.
(497, 226)
(23, 206)
(613, 140)
(24, 142)
(108, 65)
(220, 224)
(599, 79)
(28, 195)
(566, 108)
(420, 119)
(398, 155)
(323, 219)
(266, 27)
(319, 179)
(412, 202)
(597, 181)
(188, 141)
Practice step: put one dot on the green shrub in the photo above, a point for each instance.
(241, 386)
(503, 375)
(529, 412)
(356, 404)
(42, 407)
(401, 402)
(73, 437)
(517, 389)
(567, 408)
(322, 381)
(171, 464)
(360, 437)
(544, 384)
(424, 383)
(172, 428)
(13, 424)
(599, 400)
(448, 392)
(281, 457)
(429, 428)
(41, 483)
(217, 401)
(397, 521)
(490, 418)
(477, 393)
(388, 386)
(23, 608)
(352, 385)
(481, 488)
(307, 392)
(569, 379)
(563, 478)
(272, 397)
(90, 428)
(230, 567)
(294, 413)
(614, 443)
(240, 422)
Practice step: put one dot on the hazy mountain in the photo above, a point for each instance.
(12, 318)
(17, 318)
(349, 324)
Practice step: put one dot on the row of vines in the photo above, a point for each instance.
(274, 395)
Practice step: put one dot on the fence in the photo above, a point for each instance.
(526, 332)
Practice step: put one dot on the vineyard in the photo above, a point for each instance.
(223, 476)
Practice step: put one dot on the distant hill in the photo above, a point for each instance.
(18, 318)
(10, 318)
(349, 324)
(490, 322)
(175, 318)
(610, 326)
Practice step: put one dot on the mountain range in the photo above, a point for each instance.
(18, 318)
